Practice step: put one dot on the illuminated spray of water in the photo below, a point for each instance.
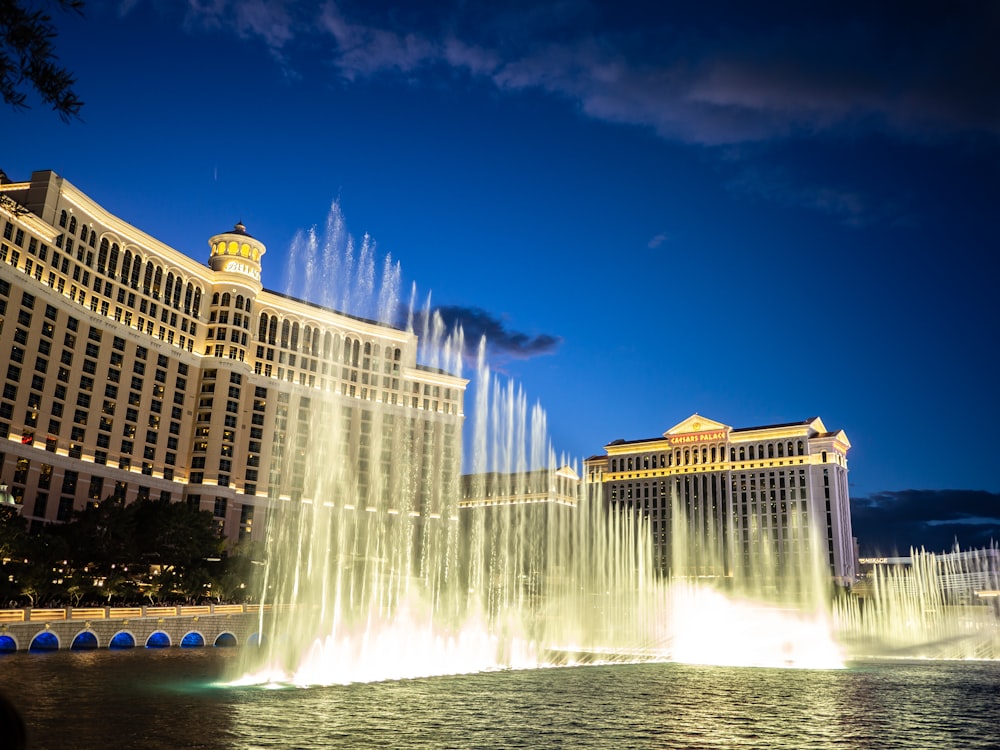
(940, 606)
(383, 576)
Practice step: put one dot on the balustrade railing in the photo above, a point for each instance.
(48, 614)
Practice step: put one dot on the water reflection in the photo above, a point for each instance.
(171, 699)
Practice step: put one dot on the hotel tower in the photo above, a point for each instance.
(737, 497)
(136, 371)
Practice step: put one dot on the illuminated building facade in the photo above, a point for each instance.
(751, 498)
(136, 371)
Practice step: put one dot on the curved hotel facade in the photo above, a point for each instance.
(747, 498)
(136, 371)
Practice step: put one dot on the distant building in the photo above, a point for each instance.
(753, 500)
(136, 371)
(959, 577)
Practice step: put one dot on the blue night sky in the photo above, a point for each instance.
(758, 212)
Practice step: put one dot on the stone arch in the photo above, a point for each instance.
(192, 639)
(45, 641)
(7, 643)
(255, 639)
(122, 639)
(158, 639)
(225, 640)
(85, 639)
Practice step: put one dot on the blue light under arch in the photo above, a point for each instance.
(159, 639)
(45, 641)
(192, 640)
(7, 643)
(122, 640)
(225, 640)
(84, 640)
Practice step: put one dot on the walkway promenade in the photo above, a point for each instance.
(38, 629)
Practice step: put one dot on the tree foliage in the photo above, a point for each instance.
(112, 552)
(28, 59)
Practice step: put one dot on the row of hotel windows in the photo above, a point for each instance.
(126, 300)
(772, 486)
(173, 287)
(81, 415)
(107, 262)
(707, 454)
(154, 278)
(98, 488)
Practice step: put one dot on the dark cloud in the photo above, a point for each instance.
(501, 341)
(713, 73)
(891, 522)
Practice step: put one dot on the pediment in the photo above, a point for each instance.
(696, 423)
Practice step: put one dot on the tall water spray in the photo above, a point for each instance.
(381, 564)
(928, 606)
(384, 562)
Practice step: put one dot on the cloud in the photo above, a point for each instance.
(850, 207)
(365, 50)
(719, 73)
(891, 522)
(656, 241)
(501, 341)
(271, 21)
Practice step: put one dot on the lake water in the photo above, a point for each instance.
(172, 698)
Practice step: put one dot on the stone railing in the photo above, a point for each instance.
(38, 614)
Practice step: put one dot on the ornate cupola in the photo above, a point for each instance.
(236, 255)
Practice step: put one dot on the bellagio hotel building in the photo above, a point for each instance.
(746, 496)
(138, 372)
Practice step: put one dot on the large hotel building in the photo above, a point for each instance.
(748, 497)
(138, 372)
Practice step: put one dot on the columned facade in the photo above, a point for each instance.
(723, 501)
(136, 371)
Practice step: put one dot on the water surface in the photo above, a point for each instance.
(172, 699)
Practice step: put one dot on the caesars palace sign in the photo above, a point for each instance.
(697, 437)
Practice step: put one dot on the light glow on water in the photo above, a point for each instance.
(713, 629)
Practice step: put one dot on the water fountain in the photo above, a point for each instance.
(382, 564)
(404, 568)
(929, 606)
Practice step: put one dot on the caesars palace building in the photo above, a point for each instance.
(750, 497)
(137, 372)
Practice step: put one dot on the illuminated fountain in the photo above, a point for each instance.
(767, 613)
(381, 564)
(937, 606)
(415, 581)
(386, 563)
